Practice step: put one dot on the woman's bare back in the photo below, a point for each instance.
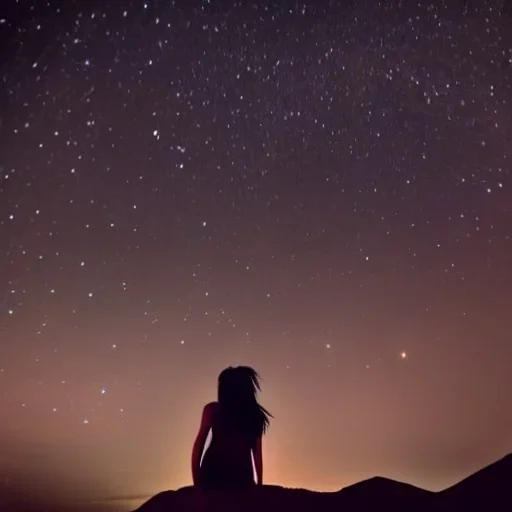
(227, 461)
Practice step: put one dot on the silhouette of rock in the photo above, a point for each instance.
(488, 490)
(267, 497)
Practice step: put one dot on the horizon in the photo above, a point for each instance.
(127, 502)
(320, 190)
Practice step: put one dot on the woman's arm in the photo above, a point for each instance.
(197, 449)
(258, 460)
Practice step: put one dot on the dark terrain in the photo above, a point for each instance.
(488, 490)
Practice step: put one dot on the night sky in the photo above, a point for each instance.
(321, 190)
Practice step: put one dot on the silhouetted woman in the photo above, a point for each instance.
(237, 422)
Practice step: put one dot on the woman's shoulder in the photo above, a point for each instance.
(209, 412)
(211, 406)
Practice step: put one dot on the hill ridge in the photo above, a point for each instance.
(479, 492)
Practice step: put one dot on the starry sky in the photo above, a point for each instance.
(319, 189)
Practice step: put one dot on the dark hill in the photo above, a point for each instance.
(488, 490)
(398, 496)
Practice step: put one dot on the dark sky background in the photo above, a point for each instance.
(319, 189)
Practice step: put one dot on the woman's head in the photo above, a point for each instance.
(238, 384)
(237, 393)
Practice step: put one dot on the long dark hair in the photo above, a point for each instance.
(237, 395)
